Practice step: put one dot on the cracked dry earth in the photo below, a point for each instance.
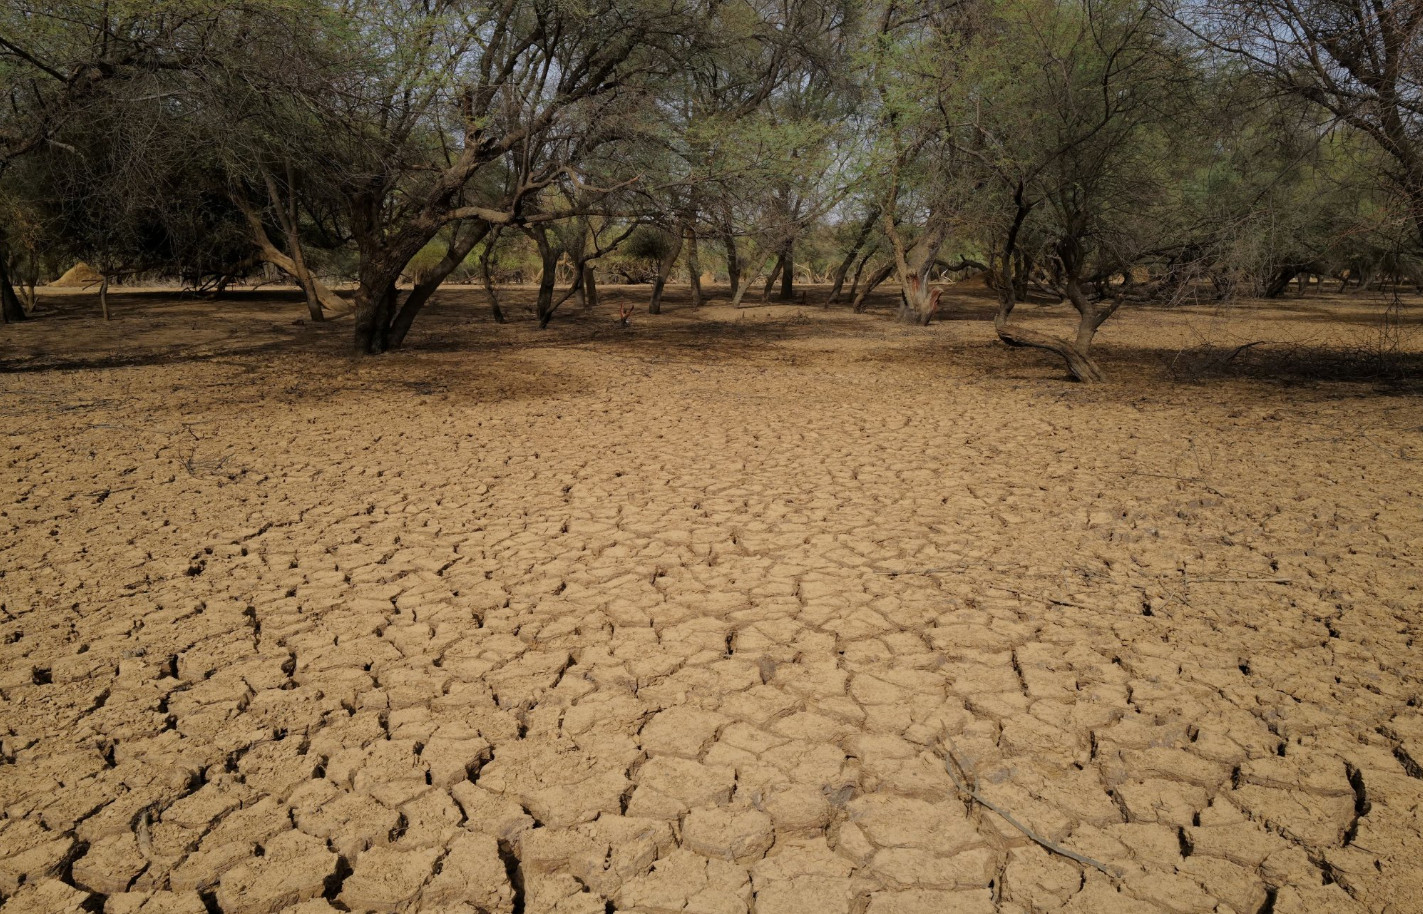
(691, 619)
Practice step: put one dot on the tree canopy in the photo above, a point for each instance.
(1097, 151)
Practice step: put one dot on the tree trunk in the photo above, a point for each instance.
(1075, 354)
(664, 270)
(877, 277)
(384, 307)
(304, 279)
(913, 265)
(740, 294)
(377, 301)
(573, 290)
(104, 296)
(455, 255)
(919, 303)
(775, 274)
(733, 265)
(1090, 315)
(1280, 282)
(788, 272)
(272, 255)
(844, 269)
(487, 258)
(291, 228)
(384, 257)
(590, 287)
(11, 309)
(1079, 363)
(548, 273)
(860, 269)
(694, 268)
(369, 334)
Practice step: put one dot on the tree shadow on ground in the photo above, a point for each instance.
(458, 320)
(161, 326)
(1357, 341)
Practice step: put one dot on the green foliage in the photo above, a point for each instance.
(137, 135)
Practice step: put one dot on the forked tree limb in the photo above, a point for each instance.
(269, 252)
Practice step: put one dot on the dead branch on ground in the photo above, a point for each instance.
(951, 765)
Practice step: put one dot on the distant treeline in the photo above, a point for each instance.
(1099, 151)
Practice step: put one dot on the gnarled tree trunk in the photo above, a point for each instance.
(1090, 316)
(919, 303)
(1280, 281)
(318, 295)
(287, 216)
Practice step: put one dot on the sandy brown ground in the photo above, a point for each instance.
(690, 616)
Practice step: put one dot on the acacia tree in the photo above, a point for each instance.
(277, 165)
(462, 87)
(139, 76)
(131, 189)
(739, 151)
(56, 59)
(1076, 116)
(910, 65)
(1360, 62)
(1284, 196)
(808, 120)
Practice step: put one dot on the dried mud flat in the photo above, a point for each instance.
(690, 617)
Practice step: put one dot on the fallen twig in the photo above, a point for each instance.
(1195, 481)
(951, 765)
(1237, 581)
(895, 574)
(1401, 453)
(1239, 349)
(1039, 597)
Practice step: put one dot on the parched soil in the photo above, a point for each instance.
(781, 610)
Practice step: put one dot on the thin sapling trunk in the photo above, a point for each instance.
(694, 268)
(664, 271)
